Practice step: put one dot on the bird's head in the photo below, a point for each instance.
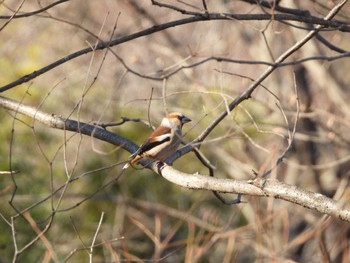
(175, 119)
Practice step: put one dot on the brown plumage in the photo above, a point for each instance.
(163, 141)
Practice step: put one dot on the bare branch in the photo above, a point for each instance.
(58, 122)
(124, 120)
(247, 93)
(95, 236)
(257, 187)
(42, 236)
(27, 14)
(322, 23)
(211, 168)
(14, 14)
(9, 172)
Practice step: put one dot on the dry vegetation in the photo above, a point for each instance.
(269, 82)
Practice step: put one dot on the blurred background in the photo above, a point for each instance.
(143, 217)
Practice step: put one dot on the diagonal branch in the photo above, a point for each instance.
(58, 122)
(258, 187)
(248, 92)
(36, 12)
(197, 17)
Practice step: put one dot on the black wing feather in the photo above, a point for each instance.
(149, 145)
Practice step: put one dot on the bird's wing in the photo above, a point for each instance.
(160, 135)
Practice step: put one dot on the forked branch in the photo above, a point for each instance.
(259, 187)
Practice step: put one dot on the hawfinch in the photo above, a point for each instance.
(163, 141)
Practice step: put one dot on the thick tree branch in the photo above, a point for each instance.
(58, 122)
(258, 187)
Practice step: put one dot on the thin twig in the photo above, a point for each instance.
(196, 17)
(33, 241)
(247, 93)
(211, 168)
(14, 14)
(291, 135)
(164, 95)
(9, 172)
(149, 110)
(205, 6)
(124, 120)
(95, 246)
(46, 242)
(27, 14)
(95, 237)
(79, 236)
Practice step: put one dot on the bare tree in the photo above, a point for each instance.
(266, 85)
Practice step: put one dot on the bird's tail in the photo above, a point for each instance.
(132, 161)
(126, 166)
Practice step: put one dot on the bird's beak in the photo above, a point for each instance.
(184, 120)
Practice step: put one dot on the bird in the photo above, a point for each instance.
(163, 141)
